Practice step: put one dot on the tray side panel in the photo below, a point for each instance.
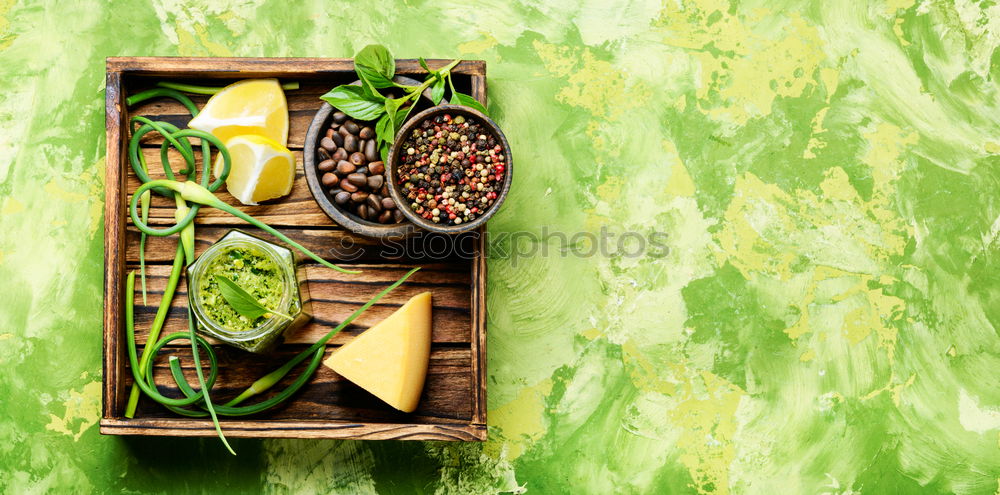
(114, 244)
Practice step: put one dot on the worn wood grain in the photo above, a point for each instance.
(333, 296)
(446, 397)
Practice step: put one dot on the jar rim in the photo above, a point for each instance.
(237, 238)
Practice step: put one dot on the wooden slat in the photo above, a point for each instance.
(332, 243)
(178, 427)
(334, 296)
(239, 68)
(478, 297)
(114, 245)
(328, 396)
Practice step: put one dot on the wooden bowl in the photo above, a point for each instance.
(344, 218)
(391, 168)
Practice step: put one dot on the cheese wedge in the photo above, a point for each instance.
(390, 359)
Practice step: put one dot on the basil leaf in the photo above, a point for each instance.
(437, 92)
(383, 129)
(383, 150)
(423, 63)
(392, 108)
(466, 100)
(239, 299)
(354, 101)
(375, 64)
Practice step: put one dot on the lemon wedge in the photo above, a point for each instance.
(261, 169)
(250, 106)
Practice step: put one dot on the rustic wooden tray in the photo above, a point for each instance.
(453, 404)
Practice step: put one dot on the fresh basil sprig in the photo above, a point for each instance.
(241, 300)
(376, 67)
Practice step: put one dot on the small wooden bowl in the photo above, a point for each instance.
(345, 218)
(391, 168)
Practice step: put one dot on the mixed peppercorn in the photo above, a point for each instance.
(451, 169)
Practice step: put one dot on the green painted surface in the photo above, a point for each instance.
(826, 320)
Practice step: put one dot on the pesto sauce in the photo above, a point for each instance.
(252, 270)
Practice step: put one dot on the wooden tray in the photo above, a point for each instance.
(453, 404)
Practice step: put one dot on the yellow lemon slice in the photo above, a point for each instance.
(250, 106)
(261, 169)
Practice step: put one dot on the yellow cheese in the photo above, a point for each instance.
(390, 359)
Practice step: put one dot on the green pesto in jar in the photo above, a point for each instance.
(253, 271)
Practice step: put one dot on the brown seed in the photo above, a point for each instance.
(371, 152)
(322, 154)
(363, 170)
(329, 179)
(326, 165)
(385, 190)
(350, 143)
(339, 117)
(352, 127)
(359, 197)
(342, 197)
(375, 202)
(362, 211)
(338, 138)
(366, 133)
(357, 158)
(358, 179)
(328, 144)
(343, 131)
(397, 215)
(330, 133)
(340, 154)
(377, 168)
(385, 217)
(347, 186)
(388, 203)
(375, 182)
(345, 167)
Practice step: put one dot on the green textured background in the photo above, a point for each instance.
(825, 322)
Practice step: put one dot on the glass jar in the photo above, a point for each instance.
(281, 289)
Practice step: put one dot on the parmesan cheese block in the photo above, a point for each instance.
(390, 359)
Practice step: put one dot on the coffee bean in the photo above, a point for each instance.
(339, 117)
(322, 154)
(328, 144)
(329, 179)
(345, 167)
(397, 215)
(388, 203)
(338, 138)
(340, 154)
(385, 217)
(326, 165)
(359, 196)
(342, 197)
(375, 202)
(358, 179)
(350, 143)
(366, 133)
(377, 168)
(371, 151)
(357, 158)
(352, 127)
(375, 182)
(347, 186)
(330, 133)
